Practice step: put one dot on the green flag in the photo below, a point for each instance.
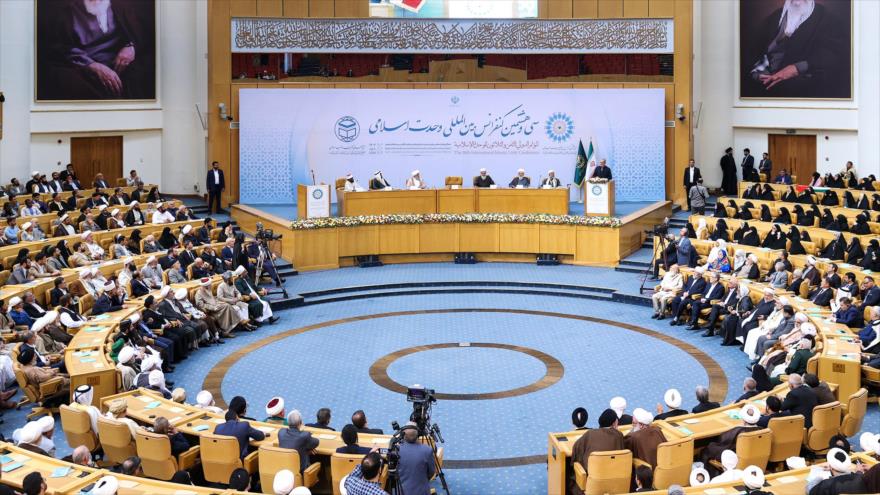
(583, 158)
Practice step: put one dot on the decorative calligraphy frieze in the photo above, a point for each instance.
(452, 35)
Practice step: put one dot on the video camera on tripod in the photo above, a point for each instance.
(264, 234)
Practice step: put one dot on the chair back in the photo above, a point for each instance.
(753, 448)
(856, 408)
(339, 184)
(340, 466)
(116, 440)
(155, 453)
(454, 180)
(826, 424)
(273, 459)
(788, 435)
(30, 391)
(4, 276)
(86, 302)
(813, 364)
(77, 427)
(804, 289)
(674, 460)
(609, 472)
(220, 457)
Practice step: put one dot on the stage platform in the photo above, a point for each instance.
(604, 242)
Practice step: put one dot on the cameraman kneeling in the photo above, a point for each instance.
(416, 465)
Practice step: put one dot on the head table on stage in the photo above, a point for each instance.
(471, 200)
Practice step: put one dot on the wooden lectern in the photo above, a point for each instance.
(599, 199)
(312, 201)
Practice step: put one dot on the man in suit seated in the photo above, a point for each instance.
(694, 285)
(772, 409)
(235, 427)
(100, 182)
(322, 418)
(800, 399)
(350, 437)
(822, 295)
(714, 291)
(847, 314)
(484, 179)
(724, 307)
(551, 180)
(71, 184)
(870, 294)
(295, 439)
(703, 402)
(109, 301)
(520, 181)
(602, 439)
(359, 420)
(782, 178)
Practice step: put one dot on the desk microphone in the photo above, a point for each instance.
(313, 176)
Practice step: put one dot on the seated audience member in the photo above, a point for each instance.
(484, 179)
(359, 420)
(520, 181)
(350, 437)
(293, 437)
(116, 411)
(672, 398)
(703, 402)
(378, 182)
(606, 437)
(351, 185)
(847, 314)
(750, 389)
(783, 178)
(670, 285)
(579, 418)
(364, 479)
(322, 420)
(729, 461)
(235, 427)
(240, 480)
(179, 443)
(839, 476)
(618, 405)
(415, 181)
(644, 479)
(644, 438)
(727, 440)
(205, 400)
(823, 392)
(275, 411)
(800, 399)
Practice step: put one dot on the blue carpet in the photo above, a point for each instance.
(328, 367)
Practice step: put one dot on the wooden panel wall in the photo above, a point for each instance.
(223, 141)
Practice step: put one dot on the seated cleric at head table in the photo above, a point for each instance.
(551, 180)
(520, 180)
(484, 179)
(415, 181)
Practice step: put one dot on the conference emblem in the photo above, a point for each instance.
(317, 193)
(559, 127)
(347, 129)
(455, 100)
(596, 190)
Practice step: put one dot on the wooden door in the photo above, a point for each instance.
(93, 155)
(795, 153)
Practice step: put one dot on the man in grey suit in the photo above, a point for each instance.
(683, 251)
(416, 465)
(294, 438)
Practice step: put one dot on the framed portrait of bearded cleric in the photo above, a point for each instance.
(95, 50)
(795, 49)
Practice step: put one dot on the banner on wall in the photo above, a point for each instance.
(287, 133)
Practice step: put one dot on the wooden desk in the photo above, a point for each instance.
(389, 202)
(76, 478)
(552, 201)
(456, 200)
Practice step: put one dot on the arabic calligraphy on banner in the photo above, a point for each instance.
(287, 133)
(377, 35)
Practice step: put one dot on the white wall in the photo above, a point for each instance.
(163, 140)
(852, 127)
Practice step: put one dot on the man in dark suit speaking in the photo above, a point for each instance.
(602, 171)
(215, 183)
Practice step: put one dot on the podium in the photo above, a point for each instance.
(313, 201)
(599, 199)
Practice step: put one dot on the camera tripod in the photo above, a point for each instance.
(663, 245)
(266, 256)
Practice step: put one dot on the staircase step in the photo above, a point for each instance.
(286, 303)
(630, 269)
(458, 290)
(634, 263)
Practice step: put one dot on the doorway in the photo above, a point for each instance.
(93, 155)
(795, 153)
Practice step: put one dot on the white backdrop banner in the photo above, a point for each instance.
(287, 133)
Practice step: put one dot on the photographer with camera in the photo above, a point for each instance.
(416, 463)
(364, 480)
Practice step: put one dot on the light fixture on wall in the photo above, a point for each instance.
(223, 114)
(679, 112)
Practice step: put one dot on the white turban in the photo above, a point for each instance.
(125, 354)
(870, 442)
(180, 294)
(47, 423)
(187, 228)
(108, 485)
(31, 433)
(699, 476)
(238, 271)
(283, 482)
(753, 477)
(115, 211)
(839, 460)
(643, 416)
(26, 225)
(14, 301)
(795, 462)
(157, 378)
(43, 321)
(750, 414)
(619, 405)
(205, 282)
(672, 398)
(729, 459)
(415, 173)
(275, 406)
(204, 398)
(102, 207)
(165, 290)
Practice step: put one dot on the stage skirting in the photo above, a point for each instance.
(329, 248)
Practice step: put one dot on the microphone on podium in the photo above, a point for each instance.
(313, 177)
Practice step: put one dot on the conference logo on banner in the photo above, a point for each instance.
(287, 134)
